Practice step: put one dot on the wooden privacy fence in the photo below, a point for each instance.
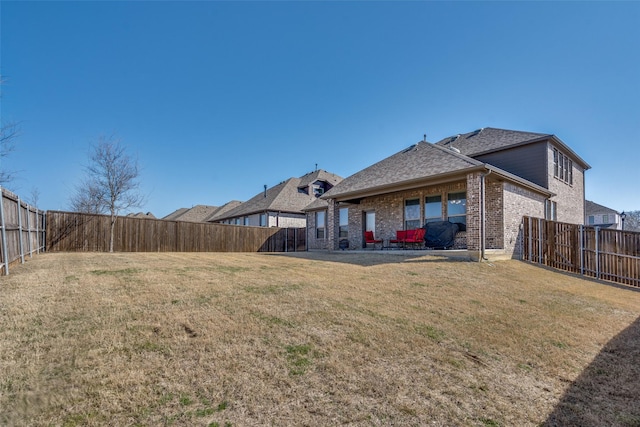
(605, 254)
(69, 232)
(21, 230)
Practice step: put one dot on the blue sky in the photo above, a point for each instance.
(217, 99)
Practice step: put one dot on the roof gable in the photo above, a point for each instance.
(223, 209)
(284, 197)
(592, 208)
(417, 162)
(489, 140)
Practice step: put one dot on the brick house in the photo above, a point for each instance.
(485, 181)
(601, 216)
(281, 205)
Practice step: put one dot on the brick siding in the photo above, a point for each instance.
(569, 197)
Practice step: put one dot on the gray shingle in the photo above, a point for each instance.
(420, 161)
(284, 197)
(486, 140)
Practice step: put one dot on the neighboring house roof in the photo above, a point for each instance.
(198, 213)
(592, 208)
(284, 197)
(223, 209)
(175, 214)
(489, 140)
(415, 164)
(142, 215)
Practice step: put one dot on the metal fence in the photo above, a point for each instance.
(22, 230)
(605, 254)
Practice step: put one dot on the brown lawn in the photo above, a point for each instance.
(312, 339)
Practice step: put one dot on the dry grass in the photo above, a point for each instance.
(312, 339)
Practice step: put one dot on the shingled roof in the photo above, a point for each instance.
(223, 210)
(486, 140)
(198, 213)
(284, 197)
(592, 208)
(413, 165)
(175, 214)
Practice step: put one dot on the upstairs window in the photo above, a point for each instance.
(562, 167)
(263, 220)
(411, 214)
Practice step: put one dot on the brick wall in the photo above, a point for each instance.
(389, 212)
(313, 242)
(518, 202)
(569, 197)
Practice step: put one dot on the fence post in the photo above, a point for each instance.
(5, 255)
(582, 250)
(597, 229)
(37, 232)
(540, 240)
(20, 231)
(530, 239)
(29, 246)
(44, 231)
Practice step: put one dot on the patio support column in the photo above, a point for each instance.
(474, 215)
(333, 218)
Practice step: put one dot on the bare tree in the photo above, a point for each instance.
(111, 185)
(632, 221)
(35, 196)
(8, 134)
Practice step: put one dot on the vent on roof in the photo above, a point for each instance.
(476, 132)
(406, 150)
(453, 139)
(454, 149)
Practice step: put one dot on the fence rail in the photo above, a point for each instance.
(605, 254)
(73, 232)
(22, 229)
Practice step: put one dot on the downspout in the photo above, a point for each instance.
(483, 216)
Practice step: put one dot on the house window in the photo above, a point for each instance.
(237, 221)
(433, 208)
(562, 167)
(411, 214)
(592, 219)
(263, 220)
(550, 210)
(457, 208)
(245, 220)
(343, 228)
(605, 219)
(320, 224)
